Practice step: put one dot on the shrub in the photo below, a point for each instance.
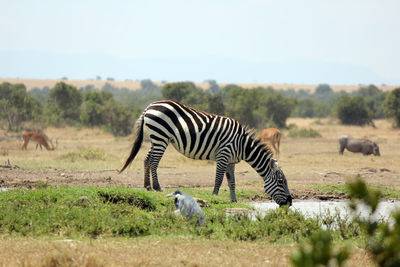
(383, 238)
(391, 106)
(319, 252)
(353, 111)
(17, 106)
(85, 154)
(295, 132)
(63, 104)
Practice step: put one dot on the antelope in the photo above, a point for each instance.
(39, 138)
(272, 136)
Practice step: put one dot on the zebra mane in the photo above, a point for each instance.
(252, 133)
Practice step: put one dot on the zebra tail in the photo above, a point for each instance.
(137, 144)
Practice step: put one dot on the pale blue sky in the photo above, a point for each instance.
(297, 41)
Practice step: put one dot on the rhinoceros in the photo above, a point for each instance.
(364, 146)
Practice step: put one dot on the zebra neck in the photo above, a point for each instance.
(258, 156)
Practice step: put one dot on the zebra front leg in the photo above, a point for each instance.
(222, 164)
(147, 171)
(157, 152)
(230, 176)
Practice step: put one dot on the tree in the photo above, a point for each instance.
(323, 92)
(93, 110)
(369, 91)
(278, 108)
(374, 98)
(310, 108)
(213, 86)
(215, 104)
(40, 94)
(323, 89)
(353, 111)
(149, 86)
(63, 104)
(119, 119)
(16, 105)
(258, 107)
(177, 91)
(391, 106)
(186, 92)
(242, 103)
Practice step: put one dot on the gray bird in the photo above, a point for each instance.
(186, 206)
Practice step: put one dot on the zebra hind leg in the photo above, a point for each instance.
(147, 160)
(157, 152)
(230, 176)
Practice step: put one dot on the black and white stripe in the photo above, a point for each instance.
(199, 135)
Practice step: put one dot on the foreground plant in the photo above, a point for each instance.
(320, 252)
(383, 237)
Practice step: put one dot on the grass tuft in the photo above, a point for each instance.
(85, 154)
(303, 132)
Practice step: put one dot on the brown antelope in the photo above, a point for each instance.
(39, 138)
(272, 136)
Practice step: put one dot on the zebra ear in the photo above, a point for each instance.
(273, 163)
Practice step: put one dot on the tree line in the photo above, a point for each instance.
(116, 109)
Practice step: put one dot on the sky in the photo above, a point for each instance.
(230, 41)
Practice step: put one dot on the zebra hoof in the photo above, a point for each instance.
(148, 188)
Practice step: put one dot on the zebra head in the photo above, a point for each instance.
(276, 185)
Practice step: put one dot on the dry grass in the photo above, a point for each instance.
(134, 85)
(304, 160)
(149, 252)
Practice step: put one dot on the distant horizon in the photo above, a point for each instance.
(110, 79)
(31, 83)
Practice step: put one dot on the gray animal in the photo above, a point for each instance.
(187, 206)
(364, 146)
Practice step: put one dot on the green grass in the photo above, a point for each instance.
(121, 212)
(387, 191)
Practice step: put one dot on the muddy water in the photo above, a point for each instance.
(319, 209)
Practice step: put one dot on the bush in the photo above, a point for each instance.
(353, 111)
(119, 119)
(85, 154)
(258, 107)
(383, 238)
(295, 132)
(319, 252)
(310, 108)
(17, 106)
(63, 104)
(373, 98)
(391, 106)
(178, 91)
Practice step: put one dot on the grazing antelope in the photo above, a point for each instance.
(272, 136)
(39, 138)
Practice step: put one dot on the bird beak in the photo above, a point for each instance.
(170, 195)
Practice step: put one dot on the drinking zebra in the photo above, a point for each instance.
(199, 135)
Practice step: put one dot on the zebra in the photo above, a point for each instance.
(200, 135)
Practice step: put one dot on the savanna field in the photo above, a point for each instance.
(46, 222)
